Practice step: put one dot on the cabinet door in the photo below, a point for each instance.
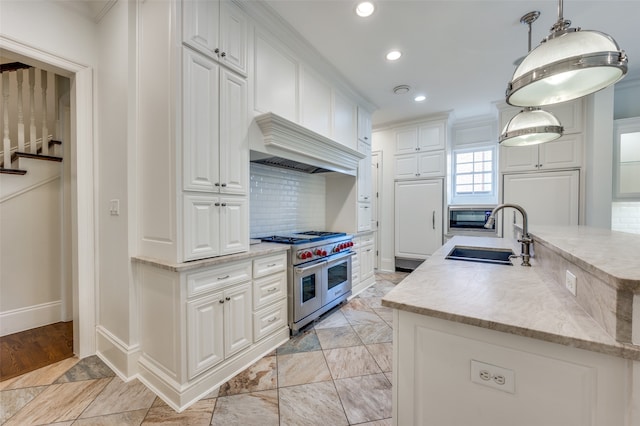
(549, 198)
(406, 166)
(315, 103)
(518, 158)
(238, 327)
(367, 260)
(201, 217)
(234, 225)
(431, 164)
(205, 330)
(200, 25)
(233, 37)
(200, 128)
(565, 152)
(364, 126)
(364, 173)
(418, 218)
(431, 136)
(407, 140)
(364, 217)
(234, 145)
(344, 121)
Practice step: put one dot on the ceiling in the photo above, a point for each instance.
(459, 53)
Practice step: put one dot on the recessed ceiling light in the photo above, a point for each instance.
(420, 98)
(401, 90)
(394, 55)
(365, 9)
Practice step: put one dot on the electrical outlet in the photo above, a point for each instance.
(493, 376)
(571, 283)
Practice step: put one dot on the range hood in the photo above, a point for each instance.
(291, 146)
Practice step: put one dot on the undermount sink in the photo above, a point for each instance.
(481, 254)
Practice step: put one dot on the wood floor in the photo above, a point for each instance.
(32, 349)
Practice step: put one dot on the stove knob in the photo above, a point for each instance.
(350, 243)
(336, 249)
(324, 253)
(309, 254)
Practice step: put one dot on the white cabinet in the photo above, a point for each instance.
(364, 217)
(421, 165)
(344, 120)
(365, 186)
(429, 136)
(218, 326)
(315, 103)
(215, 144)
(549, 198)
(565, 152)
(364, 125)
(367, 254)
(214, 226)
(418, 218)
(269, 295)
(218, 29)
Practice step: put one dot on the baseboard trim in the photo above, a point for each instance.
(34, 316)
(120, 357)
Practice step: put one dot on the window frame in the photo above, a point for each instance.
(490, 197)
(622, 126)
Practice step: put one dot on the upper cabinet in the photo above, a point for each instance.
(219, 30)
(344, 120)
(430, 136)
(364, 126)
(315, 103)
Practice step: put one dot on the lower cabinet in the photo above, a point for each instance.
(200, 326)
(362, 262)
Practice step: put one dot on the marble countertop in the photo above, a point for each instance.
(519, 300)
(255, 250)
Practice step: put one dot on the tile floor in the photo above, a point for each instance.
(336, 372)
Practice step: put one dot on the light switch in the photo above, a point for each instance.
(114, 207)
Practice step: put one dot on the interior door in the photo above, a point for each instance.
(549, 198)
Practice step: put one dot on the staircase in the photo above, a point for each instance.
(19, 140)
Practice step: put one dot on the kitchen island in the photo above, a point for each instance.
(478, 343)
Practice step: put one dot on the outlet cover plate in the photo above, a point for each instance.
(492, 376)
(571, 283)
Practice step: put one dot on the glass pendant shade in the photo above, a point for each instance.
(567, 65)
(531, 126)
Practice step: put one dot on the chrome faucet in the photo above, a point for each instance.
(525, 241)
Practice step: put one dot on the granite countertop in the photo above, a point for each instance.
(519, 300)
(255, 250)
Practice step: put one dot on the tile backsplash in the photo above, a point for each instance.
(625, 217)
(284, 201)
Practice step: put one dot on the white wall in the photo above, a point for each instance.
(283, 201)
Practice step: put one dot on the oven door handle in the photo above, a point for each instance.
(314, 265)
(340, 256)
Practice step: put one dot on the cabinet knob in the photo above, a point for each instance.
(223, 204)
(366, 138)
(223, 185)
(216, 50)
(221, 301)
(217, 204)
(216, 184)
(539, 165)
(223, 54)
(227, 298)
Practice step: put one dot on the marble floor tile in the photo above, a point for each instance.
(385, 313)
(87, 368)
(59, 402)
(303, 342)
(374, 332)
(119, 396)
(350, 362)
(336, 319)
(384, 422)
(362, 317)
(302, 368)
(199, 414)
(128, 418)
(42, 376)
(373, 301)
(310, 405)
(338, 337)
(355, 304)
(262, 375)
(247, 409)
(389, 376)
(12, 401)
(382, 353)
(365, 398)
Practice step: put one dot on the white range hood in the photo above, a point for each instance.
(289, 145)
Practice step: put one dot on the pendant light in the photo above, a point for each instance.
(530, 126)
(568, 64)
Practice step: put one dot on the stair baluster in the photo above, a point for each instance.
(32, 106)
(45, 130)
(6, 141)
(19, 76)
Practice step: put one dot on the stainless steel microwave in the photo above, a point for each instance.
(470, 220)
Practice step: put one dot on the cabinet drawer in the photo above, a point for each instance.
(269, 265)
(269, 289)
(366, 240)
(215, 278)
(269, 319)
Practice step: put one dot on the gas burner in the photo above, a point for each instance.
(284, 240)
(323, 233)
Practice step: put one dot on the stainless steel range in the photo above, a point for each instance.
(319, 275)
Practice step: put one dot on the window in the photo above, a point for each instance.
(474, 173)
(626, 167)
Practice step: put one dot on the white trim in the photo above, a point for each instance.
(22, 319)
(83, 238)
(120, 357)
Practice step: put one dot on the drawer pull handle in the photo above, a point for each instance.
(221, 300)
(272, 320)
(272, 265)
(271, 290)
(223, 278)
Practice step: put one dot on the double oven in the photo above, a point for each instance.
(319, 275)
